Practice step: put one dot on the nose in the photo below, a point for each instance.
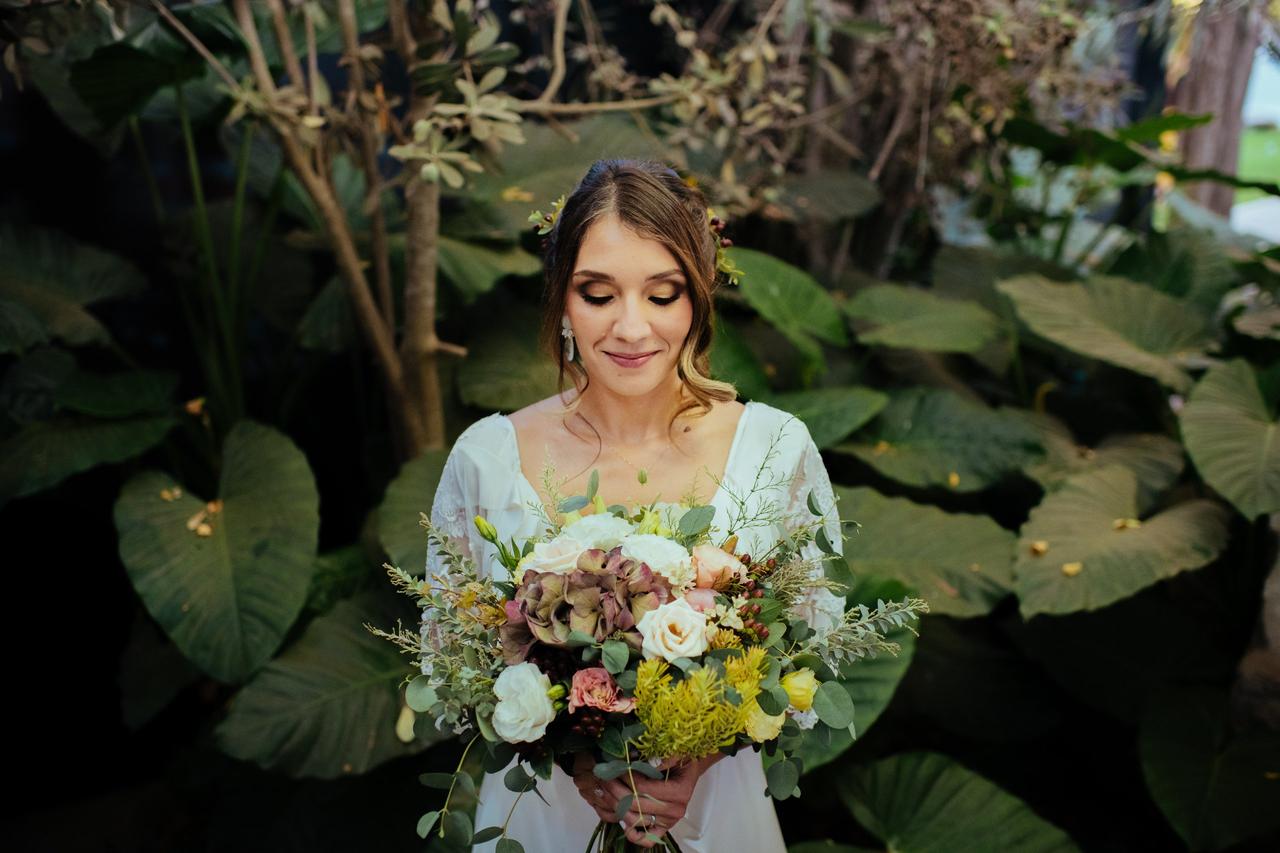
(633, 322)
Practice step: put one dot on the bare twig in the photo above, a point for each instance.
(196, 44)
(557, 53)
(285, 40)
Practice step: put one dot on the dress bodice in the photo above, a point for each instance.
(772, 466)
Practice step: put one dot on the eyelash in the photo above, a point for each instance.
(602, 300)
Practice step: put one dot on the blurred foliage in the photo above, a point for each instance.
(1052, 411)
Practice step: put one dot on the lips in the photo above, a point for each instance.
(623, 360)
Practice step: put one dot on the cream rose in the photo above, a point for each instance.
(763, 727)
(714, 566)
(599, 530)
(667, 558)
(524, 709)
(559, 556)
(673, 630)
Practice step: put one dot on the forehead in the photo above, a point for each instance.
(609, 246)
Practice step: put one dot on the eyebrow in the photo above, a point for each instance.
(606, 277)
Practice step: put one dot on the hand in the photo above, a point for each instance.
(658, 804)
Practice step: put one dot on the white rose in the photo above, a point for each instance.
(560, 556)
(599, 530)
(667, 558)
(673, 630)
(524, 710)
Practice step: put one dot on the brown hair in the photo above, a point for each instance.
(655, 202)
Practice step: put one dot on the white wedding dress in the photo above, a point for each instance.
(772, 459)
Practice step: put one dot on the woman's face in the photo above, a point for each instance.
(627, 297)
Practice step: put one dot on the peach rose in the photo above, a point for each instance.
(701, 600)
(595, 688)
(715, 566)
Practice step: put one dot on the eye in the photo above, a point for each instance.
(664, 300)
(596, 300)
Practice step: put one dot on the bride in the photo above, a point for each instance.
(630, 275)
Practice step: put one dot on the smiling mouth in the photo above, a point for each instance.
(626, 355)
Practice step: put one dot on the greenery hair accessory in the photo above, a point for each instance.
(545, 222)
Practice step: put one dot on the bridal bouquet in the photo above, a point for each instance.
(640, 637)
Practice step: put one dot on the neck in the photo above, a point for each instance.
(632, 421)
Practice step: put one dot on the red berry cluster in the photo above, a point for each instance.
(717, 225)
(557, 664)
(589, 722)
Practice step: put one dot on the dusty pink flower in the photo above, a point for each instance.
(595, 688)
(715, 566)
(701, 600)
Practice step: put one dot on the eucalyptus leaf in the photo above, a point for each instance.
(833, 705)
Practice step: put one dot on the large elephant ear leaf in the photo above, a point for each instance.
(504, 370)
(1084, 546)
(830, 414)
(791, 300)
(1215, 789)
(934, 437)
(226, 578)
(961, 564)
(1115, 320)
(410, 493)
(1156, 460)
(923, 802)
(912, 318)
(331, 704)
(1233, 438)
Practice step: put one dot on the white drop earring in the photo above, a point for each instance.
(566, 331)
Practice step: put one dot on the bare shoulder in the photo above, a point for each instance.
(537, 419)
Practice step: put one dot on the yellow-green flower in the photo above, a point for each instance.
(800, 686)
(763, 727)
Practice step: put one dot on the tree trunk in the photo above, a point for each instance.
(1217, 73)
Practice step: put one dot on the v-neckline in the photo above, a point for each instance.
(728, 465)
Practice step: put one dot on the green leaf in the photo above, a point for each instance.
(117, 395)
(934, 437)
(733, 361)
(55, 278)
(508, 845)
(409, 494)
(790, 299)
(773, 700)
(1115, 320)
(42, 454)
(961, 564)
(696, 520)
(782, 778)
(1234, 438)
(610, 769)
(912, 318)
(327, 706)
(1155, 460)
(1076, 553)
(426, 822)
(504, 370)
(226, 599)
(833, 705)
(923, 802)
(439, 781)
(457, 828)
(419, 695)
(475, 269)
(1215, 787)
(831, 414)
(487, 834)
(518, 781)
(615, 654)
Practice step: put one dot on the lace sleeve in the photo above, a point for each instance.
(452, 513)
(822, 608)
